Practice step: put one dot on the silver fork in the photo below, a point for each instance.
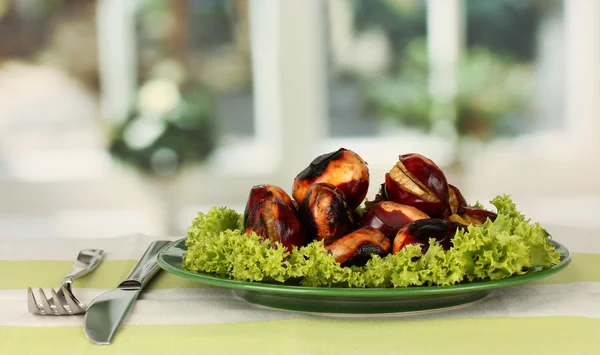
(63, 302)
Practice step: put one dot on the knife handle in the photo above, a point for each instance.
(145, 268)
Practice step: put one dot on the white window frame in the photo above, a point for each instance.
(291, 105)
(557, 162)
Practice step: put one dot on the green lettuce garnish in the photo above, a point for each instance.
(206, 227)
(511, 245)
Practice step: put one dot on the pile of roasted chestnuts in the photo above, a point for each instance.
(414, 204)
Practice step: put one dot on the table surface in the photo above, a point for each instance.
(557, 315)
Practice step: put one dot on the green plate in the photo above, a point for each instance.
(353, 300)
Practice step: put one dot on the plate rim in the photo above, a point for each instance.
(214, 280)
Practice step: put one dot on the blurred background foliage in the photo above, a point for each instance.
(201, 50)
(493, 95)
(196, 51)
(173, 122)
(503, 26)
(193, 109)
(495, 76)
(169, 127)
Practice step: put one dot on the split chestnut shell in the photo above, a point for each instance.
(476, 215)
(417, 181)
(455, 199)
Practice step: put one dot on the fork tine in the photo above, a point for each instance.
(63, 301)
(58, 304)
(73, 306)
(32, 304)
(45, 304)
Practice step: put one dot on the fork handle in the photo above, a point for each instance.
(79, 269)
(146, 267)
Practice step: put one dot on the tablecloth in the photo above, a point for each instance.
(557, 315)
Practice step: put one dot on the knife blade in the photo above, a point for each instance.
(107, 312)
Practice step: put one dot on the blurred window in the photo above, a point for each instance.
(509, 75)
(158, 106)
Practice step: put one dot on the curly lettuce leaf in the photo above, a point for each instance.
(536, 237)
(215, 221)
(511, 245)
(478, 205)
(240, 256)
(361, 210)
(490, 252)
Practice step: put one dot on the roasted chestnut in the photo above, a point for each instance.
(476, 215)
(419, 233)
(325, 213)
(359, 246)
(390, 216)
(455, 199)
(417, 181)
(275, 220)
(258, 192)
(343, 169)
(458, 219)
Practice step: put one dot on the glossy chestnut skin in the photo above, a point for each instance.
(419, 233)
(417, 181)
(356, 248)
(455, 199)
(325, 213)
(273, 219)
(389, 217)
(343, 169)
(258, 192)
(476, 215)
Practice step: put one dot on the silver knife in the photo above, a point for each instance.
(107, 312)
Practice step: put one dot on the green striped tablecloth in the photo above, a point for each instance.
(558, 315)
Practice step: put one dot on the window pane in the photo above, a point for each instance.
(48, 90)
(374, 44)
(512, 77)
(509, 77)
(56, 178)
(209, 40)
(190, 103)
(194, 84)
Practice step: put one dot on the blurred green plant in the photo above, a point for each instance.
(170, 126)
(3, 7)
(493, 93)
(400, 20)
(505, 26)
